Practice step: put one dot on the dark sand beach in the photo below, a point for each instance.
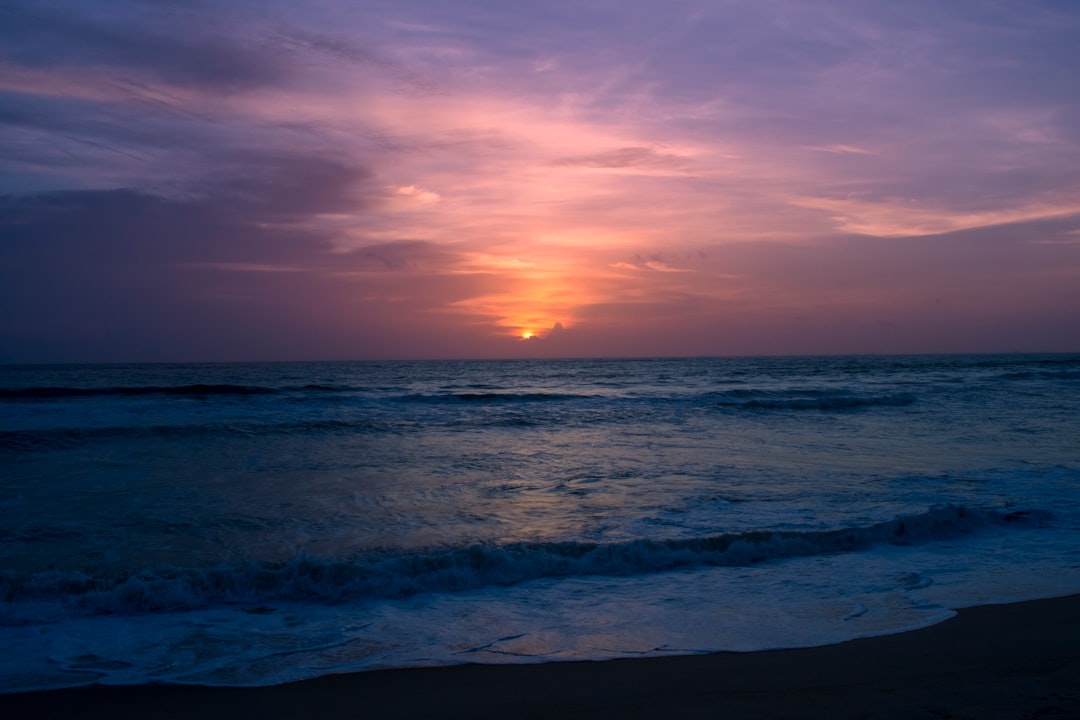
(1000, 661)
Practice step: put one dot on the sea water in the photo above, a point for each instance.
(249, 524)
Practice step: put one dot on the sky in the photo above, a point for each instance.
(186, 180)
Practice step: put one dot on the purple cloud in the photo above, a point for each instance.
(420, 179)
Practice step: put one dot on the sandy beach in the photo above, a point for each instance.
(999, 661)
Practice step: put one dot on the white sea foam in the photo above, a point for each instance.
(790, 603)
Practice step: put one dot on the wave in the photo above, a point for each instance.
(810, 399)
(497, 397)
(199, 390)
(63, 438)
(737, 398)
(511, 405)
(206, 391)
(54, 594)
(1038, 375)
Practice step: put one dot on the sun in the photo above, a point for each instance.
(528, 335)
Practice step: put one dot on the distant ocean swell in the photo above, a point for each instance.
(812, 398)
(59, 438)
(807, 399)
(51, 594)
(59, 393)
(377, 414)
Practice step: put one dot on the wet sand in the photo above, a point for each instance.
(998, 661)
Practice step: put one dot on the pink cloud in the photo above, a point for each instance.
(659, 182)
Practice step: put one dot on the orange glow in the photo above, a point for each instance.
(533, 288)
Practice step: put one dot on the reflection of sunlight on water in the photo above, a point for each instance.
(673, 471)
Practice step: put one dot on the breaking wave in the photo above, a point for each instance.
(53, 594)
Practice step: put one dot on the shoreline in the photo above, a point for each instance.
(991, 661)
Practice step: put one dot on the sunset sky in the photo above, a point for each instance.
(351, 179)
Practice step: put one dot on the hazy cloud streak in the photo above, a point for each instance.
(240, 180)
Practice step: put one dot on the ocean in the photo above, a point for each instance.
(252, 524)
